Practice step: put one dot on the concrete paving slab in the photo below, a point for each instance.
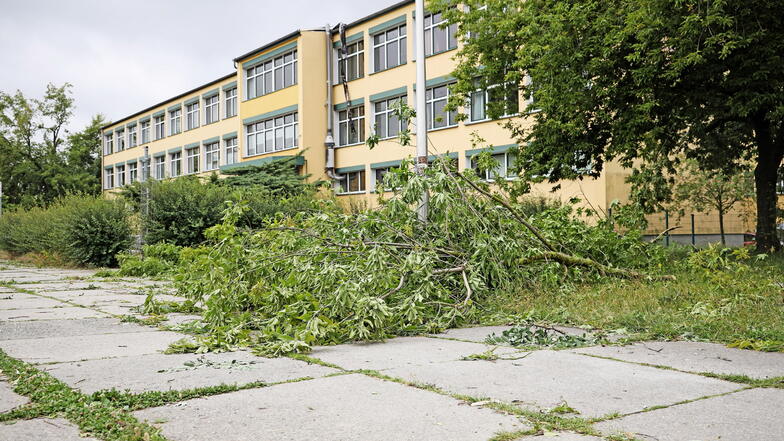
(480, 333)
(15, 330)
(177, 319)
(87, 347)
(544, 379)
(747, 415)
(560, 436)
(159, 372)
(104, 299)
(697, 357)
(400, 352)
(42, 429)
(66, 312)
(27, 301)
(74, 285)
(24, 278)
(8, 398)
(346, 408)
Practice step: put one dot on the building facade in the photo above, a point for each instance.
(290, 95)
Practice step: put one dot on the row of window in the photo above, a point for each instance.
(174, 164)
(355, 182)
(155, 129)
(386, 124)
(275, 74)
(389, 47)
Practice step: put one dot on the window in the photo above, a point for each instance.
(231, 151)
(352, 182)
(351, 125)
(176, 164)
(389, 48)
(159, 127)
(272, 75)
(438, 36)
(211, 110)
(192, 160)
(353, 65)
(211, 156)
(175, 119)
(378, 178)
(132, 139)
(109, 178)
(133, 172)
(108, 145)
(191, 116)
(504, 169)
(272, 135)
(387, 123)
(120, 140)
(231, 102)
(436, 99)
(145, 132)
(160, 167)
(506, 100)
(120, 172)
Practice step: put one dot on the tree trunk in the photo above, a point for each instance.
(721, 229)
(765, 176)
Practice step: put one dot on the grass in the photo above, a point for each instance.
(729, 305)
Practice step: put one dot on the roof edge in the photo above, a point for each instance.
(376, 14)
(269, 45)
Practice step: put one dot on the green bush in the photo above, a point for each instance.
(157, 259)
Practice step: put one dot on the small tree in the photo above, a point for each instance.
(710, 190)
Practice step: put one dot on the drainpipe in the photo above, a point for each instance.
(329, 141)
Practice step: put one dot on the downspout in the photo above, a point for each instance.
(329, 141)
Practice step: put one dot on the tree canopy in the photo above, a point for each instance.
(642, 82)
(41, 161)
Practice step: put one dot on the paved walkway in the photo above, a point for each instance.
(413, 388)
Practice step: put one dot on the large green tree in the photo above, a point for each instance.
(644, 82)
(41, 161)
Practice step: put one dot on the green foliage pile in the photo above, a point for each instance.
(329, 277)
(85, 230)
(532, 335)
(156, 260)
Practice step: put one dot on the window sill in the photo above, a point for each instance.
(193, 128)
(336, 84)
(211, 123)
(486, 120)
(228, 117)
(442, 128)
(349, 193)
(270, 153)
(388, 68)
(438, 53)
(350, 145)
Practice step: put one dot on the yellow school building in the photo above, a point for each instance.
(322, 92)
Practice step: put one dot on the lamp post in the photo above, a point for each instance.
(421, 112)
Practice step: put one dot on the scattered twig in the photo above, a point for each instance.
(568, 260)
(469, 291)
(664, 233)
(397, 288)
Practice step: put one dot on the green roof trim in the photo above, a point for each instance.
(349, 169)
(350, 39)
(211, 140)
(174, 107)
(269, 55)
(231, 85)
(210, 93)
(230, 135)
(119, 164)
(174, 150)
(120, 129)
(438, 81)
(130, 125)
(145, 119)
(352, 103)
(132, 161)
(158, 155)
(491, 149)
(191, 145)
(108, 167)
(387, 24)
(268, 115)
(386, 164)
(389, 94)
(190, 101)
(256, 162)
(159, 113)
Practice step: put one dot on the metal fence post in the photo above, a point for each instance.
(666, 228)
(693, 237)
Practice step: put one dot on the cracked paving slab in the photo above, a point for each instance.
(544, 379)
(346, 408)
(41, 429)
(58, 313)
(753, 414)
(560, 436)
(87, 347)
(8, 398)
(697, 357)
(20, 300)
(400, 352)
(159, 372)
(16, 330)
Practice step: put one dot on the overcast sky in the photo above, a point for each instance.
(124, 56)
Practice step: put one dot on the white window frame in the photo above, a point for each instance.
(133, 172)
(132, 136)
(119, 171)
(145, 131)
(192, 116)
(430, 104)
(362, 176)
(232, 151)
(160, 126)
(358, 57)
(380, 47)
(388, 114)
(230, 97)
(505, 161)
(357, 119)
(274, 69)
(192, 160)
(432, 28)
(268, 130)
(120, 134)
(211, 109)
(485, 94)
(108, 146)
(212, 156)
(175, 122)
(175, 158)
(108, 178)
(159, 164)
